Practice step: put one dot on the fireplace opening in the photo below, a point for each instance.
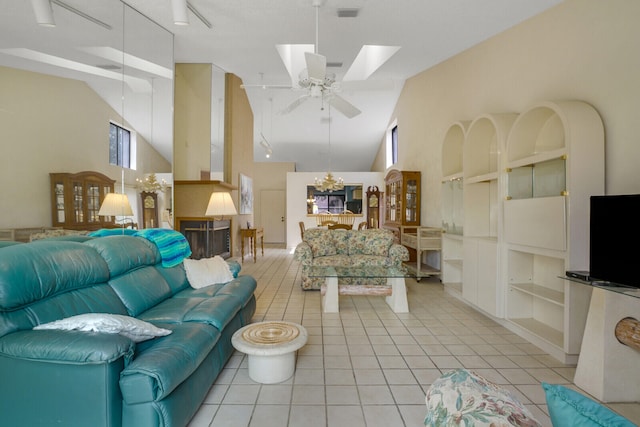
(207, 238)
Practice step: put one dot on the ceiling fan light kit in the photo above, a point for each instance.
(308, 69)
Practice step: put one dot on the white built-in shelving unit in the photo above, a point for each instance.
(555, 162)
(452, 207)
(520, 185)
(483, 187)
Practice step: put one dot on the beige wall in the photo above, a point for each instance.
(238, 148)
(268, 176)
(51, 124)
(581, 49)
(192, 121)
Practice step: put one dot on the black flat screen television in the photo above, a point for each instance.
(614, 239)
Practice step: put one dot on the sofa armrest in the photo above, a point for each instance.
(67, 346)
(303, 253)
(398, 253)
(71, 378)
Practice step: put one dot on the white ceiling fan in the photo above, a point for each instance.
(308, 71)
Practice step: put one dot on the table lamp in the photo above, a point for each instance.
(115, 204)
(220, 204)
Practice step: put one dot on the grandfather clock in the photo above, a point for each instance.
(374, 203)
(149, 209)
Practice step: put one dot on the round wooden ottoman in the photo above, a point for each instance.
(271, 349)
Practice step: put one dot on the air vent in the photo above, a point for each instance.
(348, 13)
(108, 66)
(334, 64)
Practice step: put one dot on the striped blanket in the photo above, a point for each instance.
(173, 246)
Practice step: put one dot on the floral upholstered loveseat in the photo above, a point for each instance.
(356, 248)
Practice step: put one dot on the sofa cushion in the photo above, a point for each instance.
(33, 272)
(340, 260)
(341, 240)
(162, 364)
(369, 260)
(568, 407)
(130, 327)
(125, 253)
(320, 241)
(370, 242)
(461, 397)
(216, 311)
(140, 289)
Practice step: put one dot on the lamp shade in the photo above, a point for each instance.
(220, 204)
(115, 204)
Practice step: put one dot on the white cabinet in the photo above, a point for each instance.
(480, 278)
(483, 195)
(555, 161)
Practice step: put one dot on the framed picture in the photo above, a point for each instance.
(246, 195)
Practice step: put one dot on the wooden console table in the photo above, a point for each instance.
(253, 234)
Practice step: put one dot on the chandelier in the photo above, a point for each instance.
(329, 183)
(150, 184)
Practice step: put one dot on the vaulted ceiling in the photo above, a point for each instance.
(240, 37)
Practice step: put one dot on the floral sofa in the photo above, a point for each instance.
(357, 248)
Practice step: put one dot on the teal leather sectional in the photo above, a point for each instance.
(73, 378)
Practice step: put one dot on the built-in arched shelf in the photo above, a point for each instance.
(452, 206)
(555, 162)
(485, 142)
(452, 151)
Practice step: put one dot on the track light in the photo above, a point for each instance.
(180, 12)
(44, 12)
(265, 144)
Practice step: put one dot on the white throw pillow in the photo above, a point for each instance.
(207, 271)
(130, 327)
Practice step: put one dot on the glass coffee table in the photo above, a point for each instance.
(361, 282)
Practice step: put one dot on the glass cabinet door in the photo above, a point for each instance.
(93, 202)
(411, 202)
(59, 201)
(78, 198)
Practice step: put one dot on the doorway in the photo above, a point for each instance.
(273, 207)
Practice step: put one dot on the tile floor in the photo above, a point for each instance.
(368, 366)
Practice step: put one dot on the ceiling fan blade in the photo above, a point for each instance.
(342, 105)
(316, 66)
(294, 104)
(261, 86)
(292, 56)
(368, 85)
(369, 59)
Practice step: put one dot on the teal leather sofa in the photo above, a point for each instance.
(72, 378)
